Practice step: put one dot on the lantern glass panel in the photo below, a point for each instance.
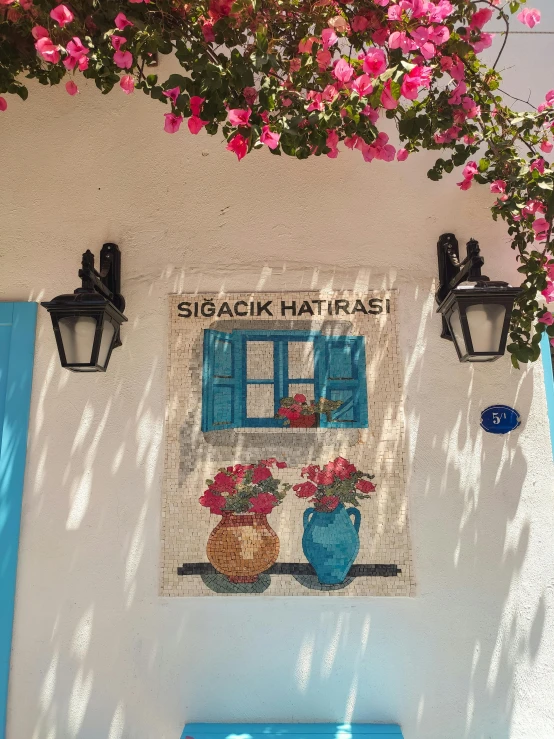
(486, 321)
(77, 333)
(456, 329)
(108, 333)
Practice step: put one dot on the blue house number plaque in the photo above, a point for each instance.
(500, 419)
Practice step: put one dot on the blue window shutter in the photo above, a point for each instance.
(340, 375)
(17, 346)
(221, 381)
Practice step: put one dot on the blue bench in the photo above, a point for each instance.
(292, 731)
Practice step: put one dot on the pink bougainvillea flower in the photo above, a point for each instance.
(375, 62)
(271, 139)
(239, 117)
(305, 46)
(481, 18)
(529, 17)
(305, 489)
(76, 48)
(401, 40)
(416, 79)
(196, 124)
(62, 15)
(117, 41)
(71, 88)
(546, 146)
(402, 155)
(541, 227)
(127, 83)
(547, 319)
(208, 32)
(121, 21)
(323, 58)
(123, 59)
(498, 186)
(196, 104)
(359, 23)
(47, 50)
(470, 170)
(329, 38)
(250, 95)
(343, 71)
(465, 184)
(3, 104)
(387, 100)
(262, 503)
(339, 23)
(550, 271)
(172, 122)
(39, 32)
(260, 474)
(548, 293)
(362, 85)
(539, 165)
(332, 141)
(173, 94)
(484, 42)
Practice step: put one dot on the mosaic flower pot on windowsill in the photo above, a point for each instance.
(298, 413)
(243, 544)
(303, 422)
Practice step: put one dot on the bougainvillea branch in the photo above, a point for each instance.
(307, 77)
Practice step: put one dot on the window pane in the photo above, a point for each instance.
(301, 359)
(259, 360)
(300, 389)
(260, 401)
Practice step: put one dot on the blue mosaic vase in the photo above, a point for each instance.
(331, 542)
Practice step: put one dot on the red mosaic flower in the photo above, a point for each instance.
(263, 503)
(328, 502)
(305, 489)
(212, 501)
(364, 486)
(260, 474)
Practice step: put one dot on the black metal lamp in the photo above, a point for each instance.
(87, 323)
(476, 311)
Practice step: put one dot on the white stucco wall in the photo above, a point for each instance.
(97, 654)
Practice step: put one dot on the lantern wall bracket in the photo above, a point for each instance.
(107, 282)
(452, 272)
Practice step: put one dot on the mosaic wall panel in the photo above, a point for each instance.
(284, 450)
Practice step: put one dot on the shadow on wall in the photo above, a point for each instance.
(98, 655)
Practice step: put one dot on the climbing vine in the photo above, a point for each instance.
(308, 77)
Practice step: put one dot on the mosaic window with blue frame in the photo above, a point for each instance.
(246, 373)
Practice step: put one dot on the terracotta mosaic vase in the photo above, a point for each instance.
(242, 546)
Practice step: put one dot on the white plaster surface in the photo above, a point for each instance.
(97, 654)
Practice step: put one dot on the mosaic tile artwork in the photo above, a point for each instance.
(284, 469)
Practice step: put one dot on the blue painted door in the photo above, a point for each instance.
(17, 346)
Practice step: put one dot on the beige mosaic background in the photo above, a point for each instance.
(191, 456)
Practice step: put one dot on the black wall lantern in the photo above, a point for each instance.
(476, 312)
(87, 323)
